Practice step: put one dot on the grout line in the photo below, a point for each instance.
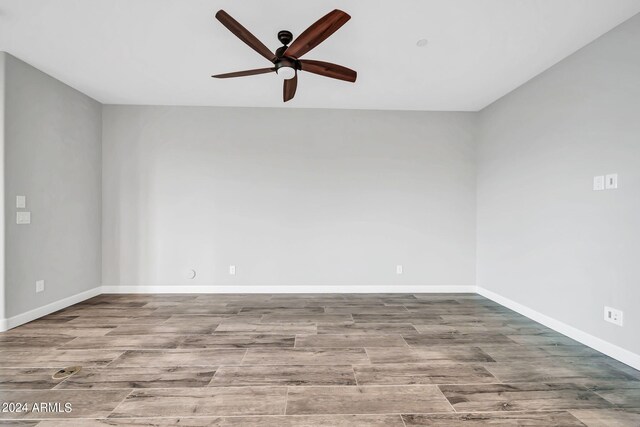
(542, 411)
(252, 386)
(582, 388)
(243, 356)
(213, 376)
(445, 398)
(61, 382)
(405, 341)
(114, 359)
(119, 403)
(354, 375)
(416, 329)
(286, 401)
(367, 354)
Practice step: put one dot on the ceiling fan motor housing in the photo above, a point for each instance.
(287, 62)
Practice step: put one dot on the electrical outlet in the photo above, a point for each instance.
(398, 269)
(612, 315)
(39, 286)
(232, 270)
(611, 181)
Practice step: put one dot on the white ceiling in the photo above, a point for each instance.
(164, 51)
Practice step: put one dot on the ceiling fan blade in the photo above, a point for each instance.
(244, 73)
(317, 33)
(243, 34)
(289, 89)
(328, 69)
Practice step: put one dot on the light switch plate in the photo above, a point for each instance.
(611, 181)
(598, 183)
(21, 202)
(23, 218)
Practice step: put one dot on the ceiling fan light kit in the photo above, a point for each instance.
(286, 59)
(285, 72)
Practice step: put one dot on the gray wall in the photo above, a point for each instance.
(545, 239)
(3, 59)
(291, 197)
(52, 156)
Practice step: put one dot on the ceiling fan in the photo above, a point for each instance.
(286, 59)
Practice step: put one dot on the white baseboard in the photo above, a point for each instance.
(252, 289)
(611, 350)
(36, 313)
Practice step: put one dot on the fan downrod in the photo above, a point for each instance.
(285, 38)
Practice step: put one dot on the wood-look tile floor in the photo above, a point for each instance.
(308, 360)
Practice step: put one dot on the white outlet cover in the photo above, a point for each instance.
(613, 315)
(598, 183)
(39, 285)
(21, 202)
(232, 270)
(398, 269)
(611, 181)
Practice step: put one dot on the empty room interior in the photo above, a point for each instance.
(352, 213)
